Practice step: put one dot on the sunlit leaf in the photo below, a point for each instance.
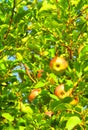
(8, 116)
(47, 6)
(2, 66)
(39, 84)
(22, 127)
(72, 122)
(19, 56)
(53, 96)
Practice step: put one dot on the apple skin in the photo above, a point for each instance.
(39, 74)
(74, 101)
(69, 92)
(59, 91)
(58, 64)
(49, 113)
(33, 94)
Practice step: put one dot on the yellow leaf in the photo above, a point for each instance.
(19, 56)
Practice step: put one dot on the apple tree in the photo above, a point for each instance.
(43, 64)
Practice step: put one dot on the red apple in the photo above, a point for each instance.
(58, 64)
(49, 113)
(33, 94)
(59, 91)
(39, 74)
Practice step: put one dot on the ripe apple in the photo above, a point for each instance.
(75, 101)
(33, 94)
(58, 64)
(39, 74)
(59, 91)
(49, 113)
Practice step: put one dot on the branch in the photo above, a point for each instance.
(76, 84)
(69, 50)
(11, 19)
(28, 73)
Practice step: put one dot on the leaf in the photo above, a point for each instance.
(2, 66)
(54, 77)
(46, 6)
(39, 85)
(53, 96)
(74, 2)
(72, 122)
(69, 83)
(22, 127)
(8, 117)
(84, 53)
(25, 108)
(19, 56)
(86, 69)
(10, 127)
(3, 83)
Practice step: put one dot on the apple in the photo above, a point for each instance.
(39, 74)
(33, 94)
(49, 113)
(75, 101)
(59, 91)
(69, 92)
(58, 64)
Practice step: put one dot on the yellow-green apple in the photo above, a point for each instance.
(58, 64)
(75, 101)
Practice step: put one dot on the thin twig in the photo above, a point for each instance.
(76, 84)
(71, 110)
(11, 19)
(28, 73)
(69, 50)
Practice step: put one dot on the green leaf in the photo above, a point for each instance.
(86, 69)
(26, 109)
(52, 52)
(2, 66)
(8, 117)
(22, 128)
(72, 122)
(47, 6)
(19, 56)
(39, 84)
(84, 52)
(10, 127)
(53, 96)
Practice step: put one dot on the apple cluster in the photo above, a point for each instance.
(57, 64)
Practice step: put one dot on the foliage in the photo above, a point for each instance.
(32, 33)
